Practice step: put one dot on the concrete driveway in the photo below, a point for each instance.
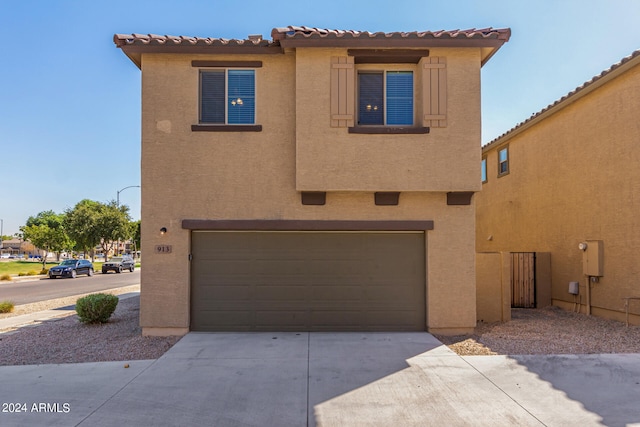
(329, 379)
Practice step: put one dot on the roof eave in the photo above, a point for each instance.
(489, 40)
(376, 42)
(134, 48)
(492, 45)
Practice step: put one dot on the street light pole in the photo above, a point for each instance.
(120, 191)
(118, 206)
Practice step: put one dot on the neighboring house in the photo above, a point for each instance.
(567, 182)
(18, 246)
(322, 180)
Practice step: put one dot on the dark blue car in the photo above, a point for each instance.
(71, 268)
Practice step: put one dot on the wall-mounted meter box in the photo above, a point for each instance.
(593, 258)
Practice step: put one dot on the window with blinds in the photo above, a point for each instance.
(503, 161)
(399, 98)
(371, 99)
(385, 98)
(227, 97)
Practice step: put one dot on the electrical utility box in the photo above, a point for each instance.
(593, 258)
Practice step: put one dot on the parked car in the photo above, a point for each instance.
(118, 264)
(71, 268)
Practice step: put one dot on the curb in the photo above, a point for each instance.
(17, 279)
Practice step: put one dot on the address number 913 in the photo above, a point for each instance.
(163, 249)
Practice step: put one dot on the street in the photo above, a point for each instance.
(41, 289)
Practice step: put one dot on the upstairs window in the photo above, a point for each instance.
(483, 170)
(227, 97)
(385, 98)
(503, 161)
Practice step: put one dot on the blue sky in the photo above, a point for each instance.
(70, 100)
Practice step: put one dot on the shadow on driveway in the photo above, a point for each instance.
(300, 379)
(570, 390)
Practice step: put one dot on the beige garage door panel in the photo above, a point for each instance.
(308, 281)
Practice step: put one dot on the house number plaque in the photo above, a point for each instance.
(163, 249)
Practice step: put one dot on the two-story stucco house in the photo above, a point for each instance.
(566, 182)
(321, 180)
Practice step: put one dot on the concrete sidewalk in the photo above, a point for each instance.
(326, 379)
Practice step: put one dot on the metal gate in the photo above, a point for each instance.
(523, 279)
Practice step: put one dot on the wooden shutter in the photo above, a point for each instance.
(342, 91)
(434, 84)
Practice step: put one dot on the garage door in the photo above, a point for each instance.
(308, 281)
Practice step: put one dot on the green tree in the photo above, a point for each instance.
(46, 231)
(81, 223)
(135, 235)
(113, 225)
(92, 223)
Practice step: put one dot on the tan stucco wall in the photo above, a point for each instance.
(330, 159)
(493, 287)
(252, 175)
(574, 176)
(543, 279)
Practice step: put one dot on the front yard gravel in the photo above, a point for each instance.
(67, 340)
(549, 330)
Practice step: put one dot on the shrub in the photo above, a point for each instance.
(96, 308)
(44, 271)
(32, 273)
(6, 306)
(5, 277)
(22, 273)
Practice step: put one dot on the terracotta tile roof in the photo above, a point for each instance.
(489, 39)
(294, 32)
(572, 96)
(154, 39)
(312, 32)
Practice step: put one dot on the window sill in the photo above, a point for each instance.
(387, 130)
(226, 128)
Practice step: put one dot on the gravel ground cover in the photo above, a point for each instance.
(531, 331)
(549, 330)
(67, 340)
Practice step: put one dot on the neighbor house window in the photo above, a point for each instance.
(503, 161)
(227, 97)
(483, 169)
(385, 98)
